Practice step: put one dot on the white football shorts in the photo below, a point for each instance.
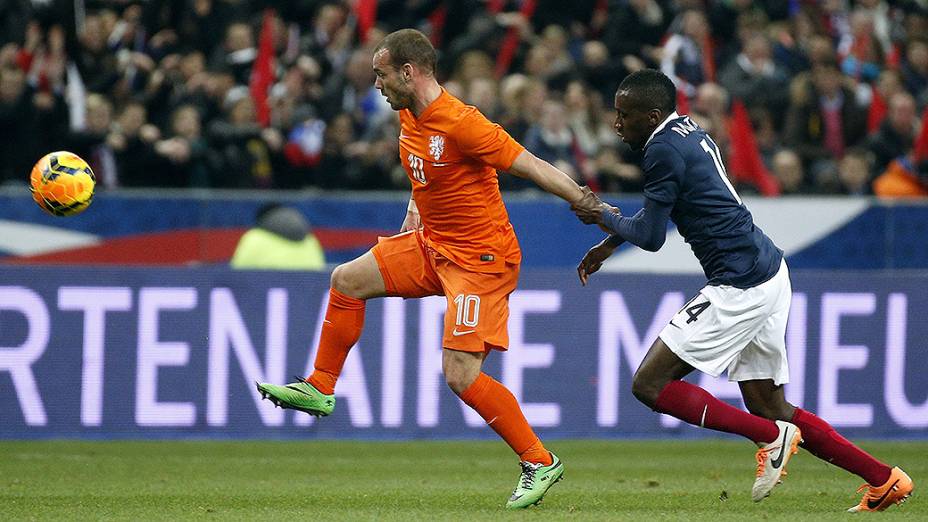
(739, 330)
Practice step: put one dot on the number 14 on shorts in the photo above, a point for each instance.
(690, 312)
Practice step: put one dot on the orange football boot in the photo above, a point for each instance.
(894, 491)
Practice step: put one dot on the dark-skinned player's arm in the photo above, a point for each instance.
(546, 176)
(646, 229)
(664, 169)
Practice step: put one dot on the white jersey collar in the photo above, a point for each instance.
(660, 127)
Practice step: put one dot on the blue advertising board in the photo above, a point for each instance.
(97, 352)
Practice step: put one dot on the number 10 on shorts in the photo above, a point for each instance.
(468, 310)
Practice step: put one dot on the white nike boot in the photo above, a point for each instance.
(772, 459)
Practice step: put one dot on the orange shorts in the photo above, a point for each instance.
(478, 304)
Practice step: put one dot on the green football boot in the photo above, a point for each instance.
(534, 482)
(298, 395)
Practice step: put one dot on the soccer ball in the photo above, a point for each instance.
(62, 183)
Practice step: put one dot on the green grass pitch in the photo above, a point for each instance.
(409, 481)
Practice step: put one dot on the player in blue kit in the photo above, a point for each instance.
(737, 322)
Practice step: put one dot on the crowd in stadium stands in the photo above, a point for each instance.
(807, 97)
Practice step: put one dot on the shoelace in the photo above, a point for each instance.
(528, 474)
(761, 457)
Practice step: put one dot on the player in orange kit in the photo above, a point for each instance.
(456, 241)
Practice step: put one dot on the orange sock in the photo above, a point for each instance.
(500, 409)
(344, 319)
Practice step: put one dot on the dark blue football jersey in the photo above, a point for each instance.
(683, 166)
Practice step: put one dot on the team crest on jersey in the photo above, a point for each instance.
(436, 146)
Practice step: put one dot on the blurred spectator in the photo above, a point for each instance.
(754, 78)
(245, 148)
(328, 40)
(730, 18)
(95, 143)
(787, 168)
(603, 74)
(97, 65)
(915, 67)
(878, 12)
(897, 132)
(687, 55)
(634, 29)
(552, 140)
(710, 111)
(472, 65)
(904, 178)
(574, 16)
(280, 240)
(614, 174)
(584, 110)
(861, 52)
(191, 161)
(348, 162)
(339, 152)
(12, 15)
(164, 65)
(132, 140)
(559, 65)
(354, 94)
(824, 118)
(521, 98)
(854, 172)
(15, 124)
(793, 41)
(200, 23)
(238, 52)
(482, 94)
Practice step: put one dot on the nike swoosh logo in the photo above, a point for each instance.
(779, 460)
(872, 504)
(299, 391)
(456, 333)
(675, 326)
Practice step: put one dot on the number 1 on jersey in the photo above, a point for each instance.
(713, 152)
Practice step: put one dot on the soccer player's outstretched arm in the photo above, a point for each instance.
(546, 176)
(483, 140)
(663, 168)
(646, 229)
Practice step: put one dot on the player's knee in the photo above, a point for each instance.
(459, 372)
(645, 391)
(458, 380)
(344, 282)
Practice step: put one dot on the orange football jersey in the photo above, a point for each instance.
(451, 153)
